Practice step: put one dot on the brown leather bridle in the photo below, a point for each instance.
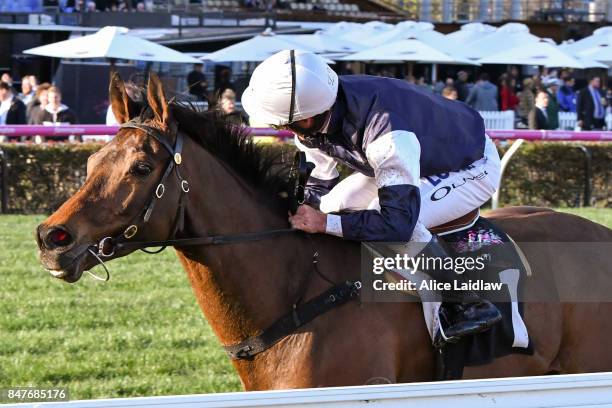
(110, 245)
(301, 312)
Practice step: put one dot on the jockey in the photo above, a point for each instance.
(419, 161)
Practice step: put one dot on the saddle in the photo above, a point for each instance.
(459, 224)
(472, 235)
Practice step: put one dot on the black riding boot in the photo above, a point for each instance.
(464, 311)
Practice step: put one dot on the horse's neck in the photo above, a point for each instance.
(242, 287)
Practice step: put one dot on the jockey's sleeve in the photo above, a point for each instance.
(394, 154)
(324, 176)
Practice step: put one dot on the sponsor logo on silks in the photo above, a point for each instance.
(444, 191)
(437, 179)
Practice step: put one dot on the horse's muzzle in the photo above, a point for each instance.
(60, 254)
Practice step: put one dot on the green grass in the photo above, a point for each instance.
(600, 215)
(140, 334)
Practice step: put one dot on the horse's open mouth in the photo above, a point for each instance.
(72, 269)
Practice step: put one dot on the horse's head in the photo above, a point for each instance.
(122, 182)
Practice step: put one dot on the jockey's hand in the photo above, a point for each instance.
(309, 220)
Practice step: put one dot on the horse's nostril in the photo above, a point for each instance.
(57, 237)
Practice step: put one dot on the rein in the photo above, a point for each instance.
(300, 314)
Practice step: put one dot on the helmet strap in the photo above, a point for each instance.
(292, 105)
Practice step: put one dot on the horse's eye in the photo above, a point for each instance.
(141, 169)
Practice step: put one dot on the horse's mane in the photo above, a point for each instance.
(264, 167)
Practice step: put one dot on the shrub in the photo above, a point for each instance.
(41, 177)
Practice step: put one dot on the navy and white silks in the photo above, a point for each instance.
(420, 160)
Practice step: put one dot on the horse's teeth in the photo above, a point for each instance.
(57, 273)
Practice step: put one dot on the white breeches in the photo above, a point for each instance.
(444, 197)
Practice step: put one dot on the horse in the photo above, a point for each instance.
(229, 186)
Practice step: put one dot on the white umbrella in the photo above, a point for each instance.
(255, 49)
(112, 42)
(504, 38)
(601, 53)
(410, 49)
(589, 62)
(600, 36)
(367, 30)
(534, 53)
(401, 30)
(323, 43)
(471, 32)
(342, 28)
(425, 33)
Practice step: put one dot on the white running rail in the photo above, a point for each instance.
(577, 390)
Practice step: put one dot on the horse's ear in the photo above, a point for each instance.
(157, 99)
(123, 107)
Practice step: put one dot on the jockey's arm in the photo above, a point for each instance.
(394, 154)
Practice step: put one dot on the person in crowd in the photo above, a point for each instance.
(12, 110)
(33, 82)
(423, 84)
(7, 79)
(483, 96)
(461, 84)
(450, 92)
(508, 98)
(224, 82)
(346, 68)
(526, 100)
(566, 96)
(135, 94)
(55, 112)
(27, 90)
(440, 85)
(379, 127)
(546, 76)
(591, 106)
(552, 110)
(609, 100)
(538, 117)
(227, 105)
(515, 75)
(537, 84)
(38, 104)
(197, 83)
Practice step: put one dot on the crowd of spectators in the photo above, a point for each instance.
(536, 100)
(36, 104)
(69, 6)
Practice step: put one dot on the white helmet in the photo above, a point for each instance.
(290, 86)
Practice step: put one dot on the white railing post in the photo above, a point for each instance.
(504, 163)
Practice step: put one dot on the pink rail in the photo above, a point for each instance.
(557, 135)
(100, 130)
(93, 130)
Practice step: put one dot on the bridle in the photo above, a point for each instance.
(110, 245)
(301, 312)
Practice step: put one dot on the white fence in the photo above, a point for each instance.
(504, 120)
(579, 390)
(498, 120)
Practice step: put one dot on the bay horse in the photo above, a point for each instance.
(243, 287)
